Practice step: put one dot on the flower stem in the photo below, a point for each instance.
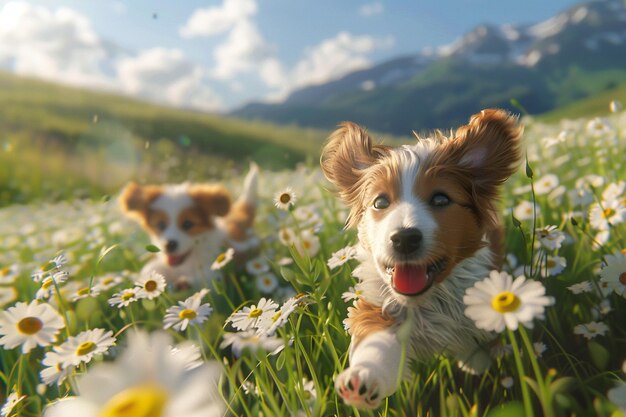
(528, 406)
(545, 396)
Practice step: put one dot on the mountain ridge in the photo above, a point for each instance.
(576, 53)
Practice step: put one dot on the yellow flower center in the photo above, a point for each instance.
(267, 281)
(48, 266)
(254, 313)
(505, 302)
(150, 286)
(285, 198)
(188, 314)
(306, 244)
(220, 258)
(276, 316)
(107, 281)
(5, 271)
(142, 401)
(83, 291)
(550, 263)
(622, 278)
(85, 348)
(29, 325)
(47, 283)
(608, 212)
(128, 295)
(623, 251)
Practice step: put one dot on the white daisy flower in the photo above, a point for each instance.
(287, 236)
(591, 329)
(257, 266)
(107, 282)
(267, 282)
(250, 389)
(145, 380)
(610, 213)
(546, 184)
(285, 199)
(308, 243)
(54, 372)
(7, 295)
(9, 405)
(80, 291)
(189, 354)
(499, 301)
(223, 259)
(48, 287)
(50, 267)
(124, 298)
(581, 287)
(524, 211)
(614, 191)
(29, 325)
(253, 317)
(351, 295)
(552, 266)
(84, 346)
(253, 341)
(187, 312)
(9, 273)
(279, 318)
(342, 256)
(599, 127)
(613, 273)
(550, 237)
(307, 216)
(150, 286)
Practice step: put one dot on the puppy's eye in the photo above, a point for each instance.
(381, 202)
(161, 225)
(187, 224)
(440, 200)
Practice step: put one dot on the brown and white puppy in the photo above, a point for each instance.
(192, 224)
(428, 229)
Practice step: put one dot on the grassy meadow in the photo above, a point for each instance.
(65, 244)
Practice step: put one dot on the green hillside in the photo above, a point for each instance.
(596, 105)
(104, 140)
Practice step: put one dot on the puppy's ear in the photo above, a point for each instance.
(135, 199)
(482, 155)
(214, 200)
(345, 157)
(490, 145)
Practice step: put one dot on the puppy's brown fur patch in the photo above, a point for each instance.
(366, 318)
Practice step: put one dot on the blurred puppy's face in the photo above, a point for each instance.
(176, 217)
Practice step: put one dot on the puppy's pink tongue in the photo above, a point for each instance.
(409, 279)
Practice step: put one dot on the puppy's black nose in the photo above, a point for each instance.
(406, 240)
(171, 246)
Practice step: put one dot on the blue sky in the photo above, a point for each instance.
(216, 55)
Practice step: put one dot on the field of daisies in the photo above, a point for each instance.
(83, 334)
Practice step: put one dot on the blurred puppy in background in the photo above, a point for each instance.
(192, 224)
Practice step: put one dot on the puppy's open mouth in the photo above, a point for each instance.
(414, 279)
(175, 260)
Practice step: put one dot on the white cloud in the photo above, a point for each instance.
(59, 45)
(215, 20)
(166, 75)
(243, 51)
(337, 56)
(371, 9)
(62, 46)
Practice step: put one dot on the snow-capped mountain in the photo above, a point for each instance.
(573, 54)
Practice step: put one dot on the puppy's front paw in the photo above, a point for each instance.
(359, 387)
